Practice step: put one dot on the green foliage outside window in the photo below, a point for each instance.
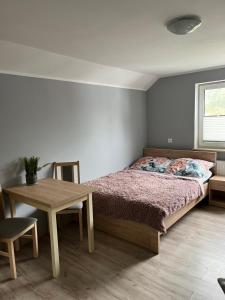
(215, 102)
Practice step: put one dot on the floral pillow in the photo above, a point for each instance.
(152, 164)
(190, 167)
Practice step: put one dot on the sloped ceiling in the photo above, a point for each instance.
(27, 61)
(119, 43)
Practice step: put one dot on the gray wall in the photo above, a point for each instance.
(103, 127)
(171, 104)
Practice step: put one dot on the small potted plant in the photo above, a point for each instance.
(31, 168)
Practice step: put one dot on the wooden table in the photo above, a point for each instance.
(51, 195)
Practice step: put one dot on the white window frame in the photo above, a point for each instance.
(199, 111)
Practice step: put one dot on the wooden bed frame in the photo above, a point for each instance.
(142, 234)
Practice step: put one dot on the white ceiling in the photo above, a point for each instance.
(127, 34)
(27, 61)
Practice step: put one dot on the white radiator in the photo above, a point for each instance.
(220, 167)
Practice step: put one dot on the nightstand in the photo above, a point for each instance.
(217, 191)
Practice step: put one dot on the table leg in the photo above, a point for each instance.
(90, 224)
(54, 243)
(12, 207)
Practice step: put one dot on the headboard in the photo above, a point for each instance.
(173, 153)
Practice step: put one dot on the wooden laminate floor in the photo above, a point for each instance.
(192, 257)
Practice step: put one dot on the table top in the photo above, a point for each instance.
(51, 193)
(218, 178)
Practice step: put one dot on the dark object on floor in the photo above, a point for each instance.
(222, 283)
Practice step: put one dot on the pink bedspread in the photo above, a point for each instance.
(142, 196)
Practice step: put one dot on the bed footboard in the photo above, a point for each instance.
(137, 233)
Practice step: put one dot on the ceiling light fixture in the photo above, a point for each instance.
(184, 25)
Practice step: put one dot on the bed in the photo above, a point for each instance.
(114, 215)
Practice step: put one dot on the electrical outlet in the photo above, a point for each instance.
(170, 140)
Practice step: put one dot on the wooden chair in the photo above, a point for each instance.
(70, 171)
(11, 229)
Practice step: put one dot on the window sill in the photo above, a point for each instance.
(210, 149)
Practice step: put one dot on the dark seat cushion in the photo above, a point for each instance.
(10, 227)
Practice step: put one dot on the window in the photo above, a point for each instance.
(210, 115)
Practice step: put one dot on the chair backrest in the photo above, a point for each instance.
(68, 171)
(2, 214)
